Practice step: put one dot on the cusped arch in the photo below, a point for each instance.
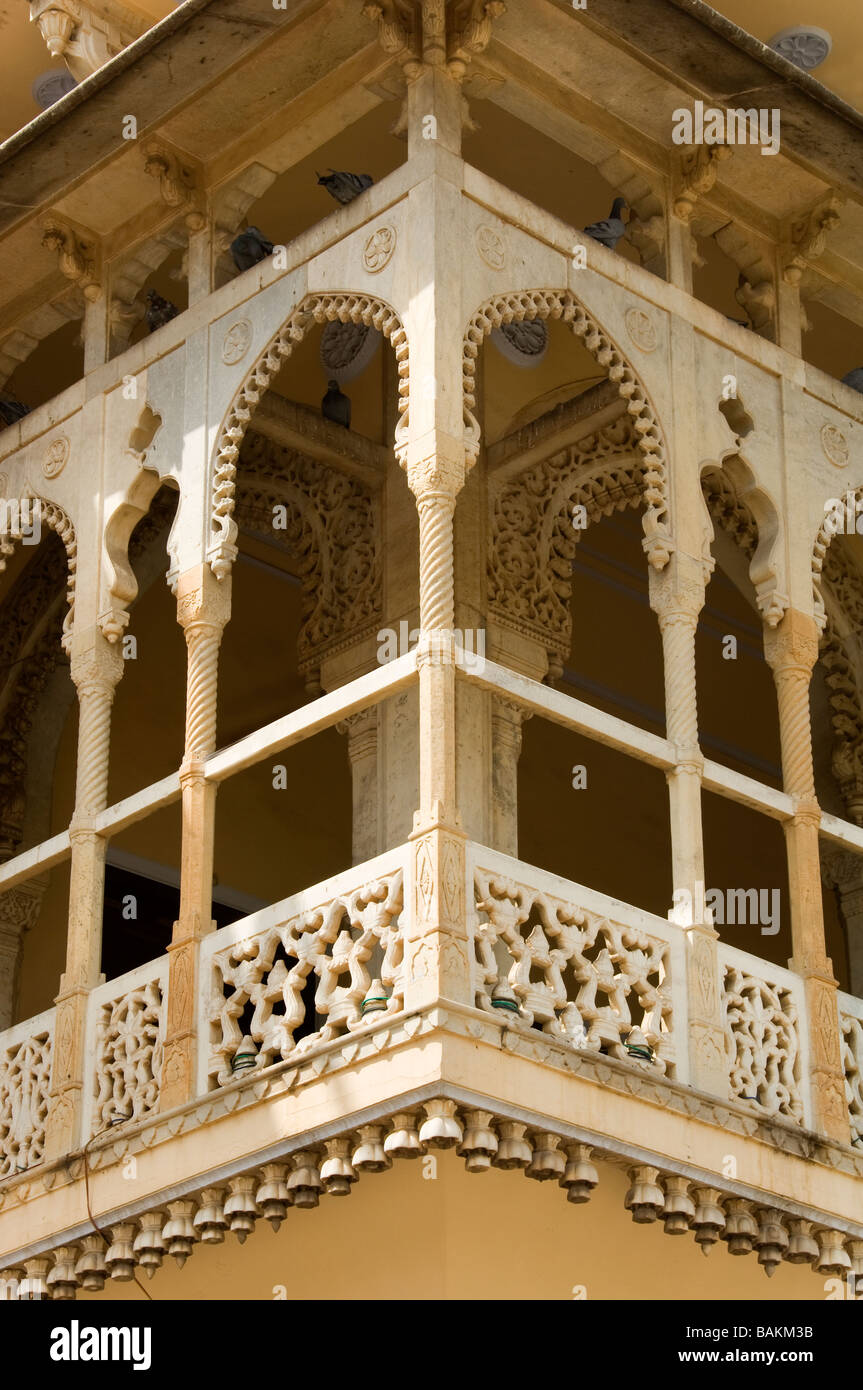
(830, 526)
(534, 528)
(736, 501)
(562, 304)
(22, 514)
(346, 307)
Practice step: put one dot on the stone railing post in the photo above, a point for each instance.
(791, 650)
(96, 670)
(437, 944)
(677, 597)
(203, 609)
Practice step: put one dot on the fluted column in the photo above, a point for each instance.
(96, 669)
(791, 650)
(677, 597)
(203, 609)
(19, 910)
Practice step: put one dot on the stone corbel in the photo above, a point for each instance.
(178, 185)
(76, 255)
(85, 38)
(471, 33)
(808, 237)
(695, 176)
(396, 35)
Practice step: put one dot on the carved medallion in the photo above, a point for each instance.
(835, 445)
(236, 343)
(56, 457)
(379, 249)
(640, 328)
(347, 349)
(525, 344)
(489, 244)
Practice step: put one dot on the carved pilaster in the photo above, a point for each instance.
(843, 871)
(791, 650)
(203, 609)
(507, 721)
(19, 911)
(436, 938)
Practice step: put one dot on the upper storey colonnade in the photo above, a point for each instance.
(718, 432)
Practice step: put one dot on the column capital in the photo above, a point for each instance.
(203, 600)
(792, 646)
(437, 476)
(677, 591)
(96, 663)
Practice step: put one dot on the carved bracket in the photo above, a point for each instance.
(695, 176)
(76, 255)
(808, 236)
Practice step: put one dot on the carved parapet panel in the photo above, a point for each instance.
(762, 1043)
(319, 308)
(25, 1075)
(544, 304)
(129, 1037)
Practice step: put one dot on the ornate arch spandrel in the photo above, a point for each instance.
(744, 510)
(532, 535)
(562, 304)
(346, 307)
(826, 531)
(841, 655)
(333, 531)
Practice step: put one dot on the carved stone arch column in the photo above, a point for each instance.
(562, 304)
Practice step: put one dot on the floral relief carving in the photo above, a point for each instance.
(532, 538)
(237, 342)
(641, 330)
(835, 445)
(318, 308)
(332, 529)
(379, 249)
(491, 247)
(56, 456)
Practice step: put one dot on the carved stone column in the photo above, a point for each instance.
(437, 941)
(362, 735)
(791, 650)
(844, 871)
(96, 670)
(507, 722)
(19, 910)
(203, 609)
(677, 597)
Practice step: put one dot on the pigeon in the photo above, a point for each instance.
(854, 379)
(250, 247)
(11, 409)
(344, 187)
(611, 229)
(159, 311)
(336, 406)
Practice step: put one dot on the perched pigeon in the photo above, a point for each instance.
(336, 406)
(11, 409)
(611, 229)
(854, 379)
(250, 247)
(159, 311)
(345, 187)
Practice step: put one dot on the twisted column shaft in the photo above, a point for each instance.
(437, 573)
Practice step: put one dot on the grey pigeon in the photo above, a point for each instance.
(854, 379)
(336, 406)
(611, 229)
(159, 311)
(11, 409)
(250, 247)
(345, 187)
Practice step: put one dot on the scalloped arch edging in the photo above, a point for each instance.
(52, 515)
(562, 304)
(826, 531)
(315, 308)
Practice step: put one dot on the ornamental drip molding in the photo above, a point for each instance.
(319, 308)
(545, 304)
